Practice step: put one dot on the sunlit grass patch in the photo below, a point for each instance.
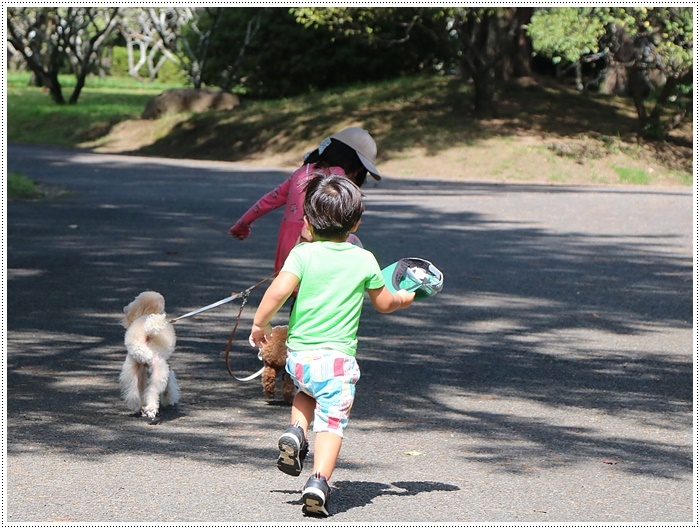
(20, 186)
(632, 175)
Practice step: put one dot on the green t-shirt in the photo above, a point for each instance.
(333, 277)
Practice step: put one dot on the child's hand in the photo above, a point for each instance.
(259, 335)
(406, 297)
(385, 301)
(240, 230)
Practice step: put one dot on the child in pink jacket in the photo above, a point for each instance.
(351, 153)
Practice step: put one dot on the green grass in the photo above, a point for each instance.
(685, 178)
(19, 186)
(632, 175)
(423, 125)
(34, 117)
(405, 105)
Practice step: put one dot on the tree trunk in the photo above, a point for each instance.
(654, 124)
(79, 84)
(614, 79)
(636, 86)
(482, 50)
(49, 80)
(196, 76)
(517, 56)
(484, 92)
(46, 76)
(57, 92)
(666, 92)
(35, 81)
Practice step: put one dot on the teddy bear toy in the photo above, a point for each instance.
(274, 357)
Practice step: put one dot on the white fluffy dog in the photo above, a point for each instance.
(146, 379)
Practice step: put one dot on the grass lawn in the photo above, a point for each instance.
(34, 118)
(19, 186)
(424, 127)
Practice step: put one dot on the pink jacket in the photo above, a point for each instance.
(290, 194)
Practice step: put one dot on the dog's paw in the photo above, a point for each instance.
(151, 413)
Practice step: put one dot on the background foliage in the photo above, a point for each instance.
(271, 52)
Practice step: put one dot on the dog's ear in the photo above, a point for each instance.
(128, 317)
(145, 303)
(153, 303)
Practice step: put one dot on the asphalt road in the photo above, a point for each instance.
(550, 382)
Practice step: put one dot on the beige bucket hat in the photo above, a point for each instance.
(363, 144)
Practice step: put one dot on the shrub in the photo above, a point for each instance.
(19, 186)
(170, 73)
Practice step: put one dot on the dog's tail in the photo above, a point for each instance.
(155, 324)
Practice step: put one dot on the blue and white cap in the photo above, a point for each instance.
(414, 275)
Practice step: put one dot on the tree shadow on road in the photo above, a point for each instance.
(545, 319)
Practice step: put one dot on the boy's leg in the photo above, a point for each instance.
(292, 444)
(303, 410)
(330, 416)
(326, 451)
(316, 492)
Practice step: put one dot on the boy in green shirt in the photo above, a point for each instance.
(332, 276)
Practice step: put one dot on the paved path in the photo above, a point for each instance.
(550, 382)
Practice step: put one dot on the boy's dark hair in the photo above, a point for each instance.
(333, 205)
(338, 154)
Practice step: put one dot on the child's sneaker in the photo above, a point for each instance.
(315, 495)
(293, 449)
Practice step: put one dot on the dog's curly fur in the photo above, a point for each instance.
(146, 379)
(274, 357)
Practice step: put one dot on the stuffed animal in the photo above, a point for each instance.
(274, 357)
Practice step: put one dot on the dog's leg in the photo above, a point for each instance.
(288, 388)
(129, 380)
(171, 395)
(269, 381)
(143, 380)
(157, 382)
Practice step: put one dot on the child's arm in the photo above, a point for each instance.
(386, 301)
(272, 200)
(275, 296)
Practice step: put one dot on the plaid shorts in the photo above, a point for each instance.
(329, 377)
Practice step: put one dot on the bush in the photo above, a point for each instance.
(295, 59)
(19, 186)
(120, 62)
(169, 73)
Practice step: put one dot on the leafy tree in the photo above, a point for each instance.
(640, 39)
(663, 39)
(143, 41)
(488, 42)
(567, 36)
(482, 36)
(304, 57)
(186, 34)
(53, 38)
(229, 49)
